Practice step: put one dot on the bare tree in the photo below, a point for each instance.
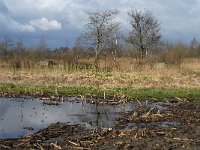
(19, 49)
(42, 48)
(6, 45)
(20, 45)
(101, 30)
(42, 44)
(194, 44)
(145, 31)
(194, 47)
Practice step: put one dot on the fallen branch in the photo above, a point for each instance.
(73, 143)
(147, 114)
(139, 103)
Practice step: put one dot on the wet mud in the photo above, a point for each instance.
(167, 124)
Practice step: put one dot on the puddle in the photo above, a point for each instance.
(19, 117)
(178, 129)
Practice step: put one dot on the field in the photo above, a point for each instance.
(157, 76)
(165, 112)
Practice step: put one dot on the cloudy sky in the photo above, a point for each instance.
(62, 21)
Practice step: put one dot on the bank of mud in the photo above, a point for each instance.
(170, 124)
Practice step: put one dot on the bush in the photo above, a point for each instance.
(173, 56)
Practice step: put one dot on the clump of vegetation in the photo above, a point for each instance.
(118, 93)
(105, 59)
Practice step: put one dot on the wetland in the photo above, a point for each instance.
(75, 123)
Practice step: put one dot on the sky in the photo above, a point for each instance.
(60, 22)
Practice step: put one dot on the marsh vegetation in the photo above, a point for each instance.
(127, 92)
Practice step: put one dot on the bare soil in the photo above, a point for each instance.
(174, 126)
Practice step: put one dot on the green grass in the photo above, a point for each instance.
(132, 93)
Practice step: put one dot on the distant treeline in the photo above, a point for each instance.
(18, 56)
(102, 40)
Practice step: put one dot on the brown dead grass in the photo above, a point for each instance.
(186, 76)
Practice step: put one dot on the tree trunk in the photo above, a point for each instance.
(96, 62)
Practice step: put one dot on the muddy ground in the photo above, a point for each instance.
(173, 126)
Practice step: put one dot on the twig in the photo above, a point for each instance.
(73, 143)
(139, 103)
(56, 146)
(6, 147)
(179, 99)
(104, 95)
(147, 114)
(81, 148)
(39, 146)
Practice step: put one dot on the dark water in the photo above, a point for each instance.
(18, 116)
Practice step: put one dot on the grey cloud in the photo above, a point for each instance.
(10, 24)
(65, 19)
(3, 7)
(190, 2)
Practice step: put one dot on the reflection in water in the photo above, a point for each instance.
(18, 115)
